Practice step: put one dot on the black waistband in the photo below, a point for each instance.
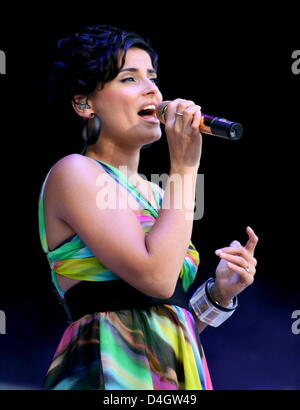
(89, 297)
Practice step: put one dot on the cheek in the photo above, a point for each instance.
(117, 105)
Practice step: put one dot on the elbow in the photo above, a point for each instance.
(161, 288)
(160, 293)
(159, 283)
(166, 290)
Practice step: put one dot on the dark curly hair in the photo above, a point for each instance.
(90, 58)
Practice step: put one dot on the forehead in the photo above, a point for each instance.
(137, 57)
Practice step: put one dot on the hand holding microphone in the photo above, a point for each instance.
(208, 125)
(182, 121)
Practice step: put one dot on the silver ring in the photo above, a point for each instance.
(179, 113)
(247, 268)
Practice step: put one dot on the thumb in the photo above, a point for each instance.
(235, 244)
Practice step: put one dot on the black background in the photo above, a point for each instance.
(235, 63)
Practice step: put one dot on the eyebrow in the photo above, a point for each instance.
(134, 70)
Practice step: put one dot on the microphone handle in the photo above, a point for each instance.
(220, 127)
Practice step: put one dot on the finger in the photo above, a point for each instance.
(186, 109)
(244, 277)
(182, 118)
(241, 262)
(252, 241)
(197, 118)
(241, 251)
(194, 117)
(171, 109)
(183, 105)
(191, 115)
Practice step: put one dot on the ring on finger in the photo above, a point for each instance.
(179, 113)
(247, 268)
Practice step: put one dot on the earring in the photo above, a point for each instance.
(91, 138)
(83, 106)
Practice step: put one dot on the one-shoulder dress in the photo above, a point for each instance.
(152, 348)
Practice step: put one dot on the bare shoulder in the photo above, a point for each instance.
(68, 176)
(74, 162)
(73, 168)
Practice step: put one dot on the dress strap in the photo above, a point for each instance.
(120, 178)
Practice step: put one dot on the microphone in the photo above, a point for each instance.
(209, 125)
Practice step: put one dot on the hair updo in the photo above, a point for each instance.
(90, 58)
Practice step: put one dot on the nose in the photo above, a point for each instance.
(150, 87)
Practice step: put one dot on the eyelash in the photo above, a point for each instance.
(155, 80)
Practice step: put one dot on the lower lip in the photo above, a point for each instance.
(151, 119)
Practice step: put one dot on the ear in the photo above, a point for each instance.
(81, 106)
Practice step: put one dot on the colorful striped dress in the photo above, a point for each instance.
(156, 348)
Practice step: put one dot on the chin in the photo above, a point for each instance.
(155, 136)
(148, 137)
(152, 140)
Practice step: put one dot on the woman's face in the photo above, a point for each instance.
(121, 101)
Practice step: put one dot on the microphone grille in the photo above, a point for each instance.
(161, 110)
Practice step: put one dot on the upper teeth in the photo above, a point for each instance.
(149, 107)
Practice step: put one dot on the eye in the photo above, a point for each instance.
(155, 80)
(130, 79)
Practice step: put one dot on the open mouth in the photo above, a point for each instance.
(147, 112)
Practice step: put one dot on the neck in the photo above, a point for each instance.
(116, 156)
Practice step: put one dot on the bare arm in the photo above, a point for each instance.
(151, 263)
(167, 242)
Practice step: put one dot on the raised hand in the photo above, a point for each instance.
(236, 268)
